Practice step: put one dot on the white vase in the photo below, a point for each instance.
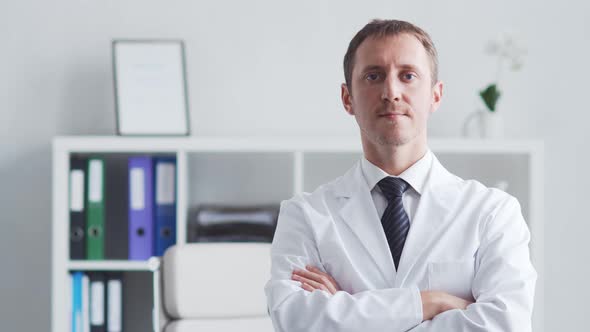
(492, 125)
(484, 124)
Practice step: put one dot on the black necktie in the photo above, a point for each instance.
(395, 221)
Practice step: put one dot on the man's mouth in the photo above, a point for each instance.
(392, 115)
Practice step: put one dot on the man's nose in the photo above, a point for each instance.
(391, 89)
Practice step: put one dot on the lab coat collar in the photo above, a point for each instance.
(350, 183)
(415, 175)
(360, 215)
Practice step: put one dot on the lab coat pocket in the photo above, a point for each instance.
(453, 277)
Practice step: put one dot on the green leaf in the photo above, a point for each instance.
(490, 96)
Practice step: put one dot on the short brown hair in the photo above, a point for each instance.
(383, 28)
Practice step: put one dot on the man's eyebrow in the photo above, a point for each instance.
(405, 66)
(371, 67)
(409, 66)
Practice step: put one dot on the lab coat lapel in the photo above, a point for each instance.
(359, 213)
(440, 191)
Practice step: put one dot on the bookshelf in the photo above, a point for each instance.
(270, 169)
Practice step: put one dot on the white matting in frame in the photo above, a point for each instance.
(150, 87)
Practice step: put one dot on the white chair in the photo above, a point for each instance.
(216, 287)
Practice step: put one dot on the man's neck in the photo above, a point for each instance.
(395, 159)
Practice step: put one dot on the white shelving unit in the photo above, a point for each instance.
(112, 265)
(203, 163)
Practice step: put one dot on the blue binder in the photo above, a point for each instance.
(77, 301)
(164, 203)
(141, 211)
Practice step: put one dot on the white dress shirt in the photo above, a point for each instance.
(415, 176)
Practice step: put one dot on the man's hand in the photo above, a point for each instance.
(313, 278)
(434, 303)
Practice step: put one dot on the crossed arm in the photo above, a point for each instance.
(433, 302)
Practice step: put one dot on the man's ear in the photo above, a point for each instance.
(346, 99)
(437, 93)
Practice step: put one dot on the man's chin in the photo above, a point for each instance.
(392, 140)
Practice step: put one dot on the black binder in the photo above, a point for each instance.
(116, 207)
(78, 179)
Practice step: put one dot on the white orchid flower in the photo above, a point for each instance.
(509, 51)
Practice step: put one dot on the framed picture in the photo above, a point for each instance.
(150, 87)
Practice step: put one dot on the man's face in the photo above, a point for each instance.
(392, 93)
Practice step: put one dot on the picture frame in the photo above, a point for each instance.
(151, 94)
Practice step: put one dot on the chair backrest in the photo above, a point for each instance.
(216, 282)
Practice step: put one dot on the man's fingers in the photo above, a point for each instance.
(317, 275)
(314, 284)
(333, 282)
(316, 270)
(316, 279)
(307, 287)
(309, 275)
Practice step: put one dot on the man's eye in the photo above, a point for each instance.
(409, 76)
(372, 76)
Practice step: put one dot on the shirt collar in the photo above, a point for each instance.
(415, 175)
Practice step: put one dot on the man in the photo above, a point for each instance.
(398, 243)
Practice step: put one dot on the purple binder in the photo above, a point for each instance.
(141, 210)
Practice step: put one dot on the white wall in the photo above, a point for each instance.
(269, 68)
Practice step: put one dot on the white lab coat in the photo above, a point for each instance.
(465, 239)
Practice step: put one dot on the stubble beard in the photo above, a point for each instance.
(396, 139)
(394, 136)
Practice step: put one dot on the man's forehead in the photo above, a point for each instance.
(401, 49)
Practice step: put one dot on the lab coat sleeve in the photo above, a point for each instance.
(293, 309)
(504, 282)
